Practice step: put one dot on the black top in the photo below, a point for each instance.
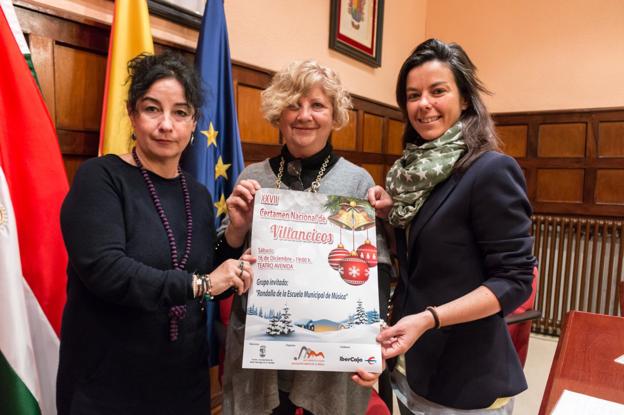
(115, 355)
(308, 168)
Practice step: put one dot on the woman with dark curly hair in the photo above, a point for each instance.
(463, 222)
(142, 253)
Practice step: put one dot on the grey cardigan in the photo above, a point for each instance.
(255, 391)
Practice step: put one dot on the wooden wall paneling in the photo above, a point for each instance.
(589, 210)
(394, 138)
(78, 98)
(589, 186)
(375, 107)
(596, 148)
(42, 54)
(91, 36)
(253, 127)
(531, 171)
(216, 400)
(533, 134)
(359, 131)
(71, 165)
(71, 80)
(377, 171)
(610, 186)
(515, 139)
(560, 185)
(253, 77)
(372, 137)
(257, 78)
(385, 130)
(257, 152)
(562, 140)
(592, 138)
(346, 138)
(369, 151)
(79, 143)
(610, 140)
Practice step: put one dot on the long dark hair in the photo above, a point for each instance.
(478, 129)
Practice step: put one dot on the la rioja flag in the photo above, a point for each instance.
(32, 255)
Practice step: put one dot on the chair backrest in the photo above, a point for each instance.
(376, 405)
(520, 331)
(621, 294)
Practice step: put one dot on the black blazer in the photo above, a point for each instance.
(473, 230)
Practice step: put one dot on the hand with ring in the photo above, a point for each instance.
(240, 211)
(236, 273)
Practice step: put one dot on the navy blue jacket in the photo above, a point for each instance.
(473, 230)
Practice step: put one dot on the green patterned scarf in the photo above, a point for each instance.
(412, 177)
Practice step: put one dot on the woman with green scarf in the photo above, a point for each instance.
(462, 220)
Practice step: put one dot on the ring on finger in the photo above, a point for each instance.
(241, 265)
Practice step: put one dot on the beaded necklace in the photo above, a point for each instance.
(176, 313)
(315, 184)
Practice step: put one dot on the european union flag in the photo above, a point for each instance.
(216, 157)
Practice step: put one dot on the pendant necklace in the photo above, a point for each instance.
(178, 312)
(315, 184)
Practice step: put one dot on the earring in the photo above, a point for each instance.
(132, 136)
(192, 138)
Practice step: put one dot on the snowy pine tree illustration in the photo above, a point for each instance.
(286, 321)
(373, 316)
(360, 314)
(273, 328)
(252, 310)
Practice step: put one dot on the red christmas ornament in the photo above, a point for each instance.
(368, 252)
(336, 256)
(354, 270)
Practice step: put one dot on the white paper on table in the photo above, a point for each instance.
(620, 360)
(314, 302)
(573, 403)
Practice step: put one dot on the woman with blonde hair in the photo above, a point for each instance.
(306, 102)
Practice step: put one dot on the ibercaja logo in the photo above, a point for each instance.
(356, 359)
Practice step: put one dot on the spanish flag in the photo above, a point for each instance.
(130, 36)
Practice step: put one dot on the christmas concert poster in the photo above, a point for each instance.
(313, 304)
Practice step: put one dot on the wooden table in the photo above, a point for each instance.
(584, 360)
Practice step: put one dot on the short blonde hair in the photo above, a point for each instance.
(289, 84)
